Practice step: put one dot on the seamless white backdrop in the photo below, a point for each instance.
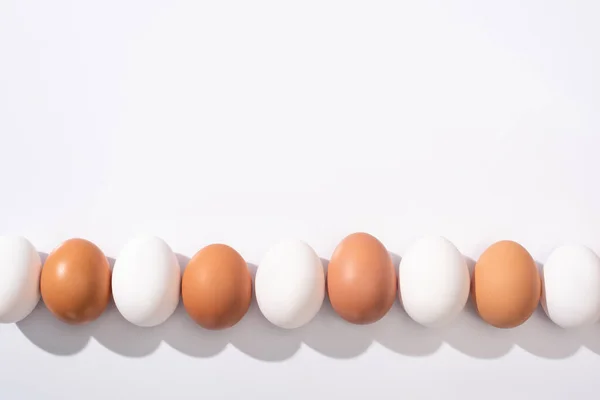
(247, 121)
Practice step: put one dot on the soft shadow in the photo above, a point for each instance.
(325, 263)
(543, 338)
(470, 335)
(538, 335)
(119, 335)
(255, 336)
(590, 337)
(43, 257)
(327, 333)
(183, 262)
(398, 332)
(395, 261)
(332, 336)
(187, 337)
(52, 335)
(470, 265)
(48, 333)
(258, 338)
(252, 269)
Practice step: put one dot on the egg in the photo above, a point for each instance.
(506, 285)
(146, 281)
(20, 267)
(361, 279)
(434, 281)
(75, 282)
(571, 286)
(216, 287)
(290, 284)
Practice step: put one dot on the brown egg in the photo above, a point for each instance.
(506, 285)
(361, 279)
(216, 287)
(75, 281)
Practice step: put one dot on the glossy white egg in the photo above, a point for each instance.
(571, 286)
(290, 284)
(434, 281)
(20, 268)
(146, 281)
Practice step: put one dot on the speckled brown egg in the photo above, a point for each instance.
(75, 283)
(506, 285)
(216, 287)
(361, 279)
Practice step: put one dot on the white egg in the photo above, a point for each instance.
(434, 281)
(290, 284)
(571, 286)
(20, 268)
(146, 281)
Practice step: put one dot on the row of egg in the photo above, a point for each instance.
(433, 284)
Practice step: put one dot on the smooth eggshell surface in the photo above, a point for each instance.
(75, 281)
(146, 280)
(290, 284)
(434, 281)
(216, 287)
(361, 279)
(20, 267)
(506, 285)
(571, 286)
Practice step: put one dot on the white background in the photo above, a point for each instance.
(247, 121)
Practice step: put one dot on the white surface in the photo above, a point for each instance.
(434, 281)
(146, 281)
(290, 284)
(20, 268)
(571, 292)
(247, 121)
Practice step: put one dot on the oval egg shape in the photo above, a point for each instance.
(75, 282)
(146, 281)
(434, 281)
(20, 268)
(361, 279)
(571, 286)
(290, 284)
(216, 287)
(506, 285)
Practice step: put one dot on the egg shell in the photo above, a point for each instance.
(75, 282)
(434, 281)
(571, 286)
(506, 285)
(146, 281)
(20, 268)
(216, 287)
(290, 284)
(361, 279)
